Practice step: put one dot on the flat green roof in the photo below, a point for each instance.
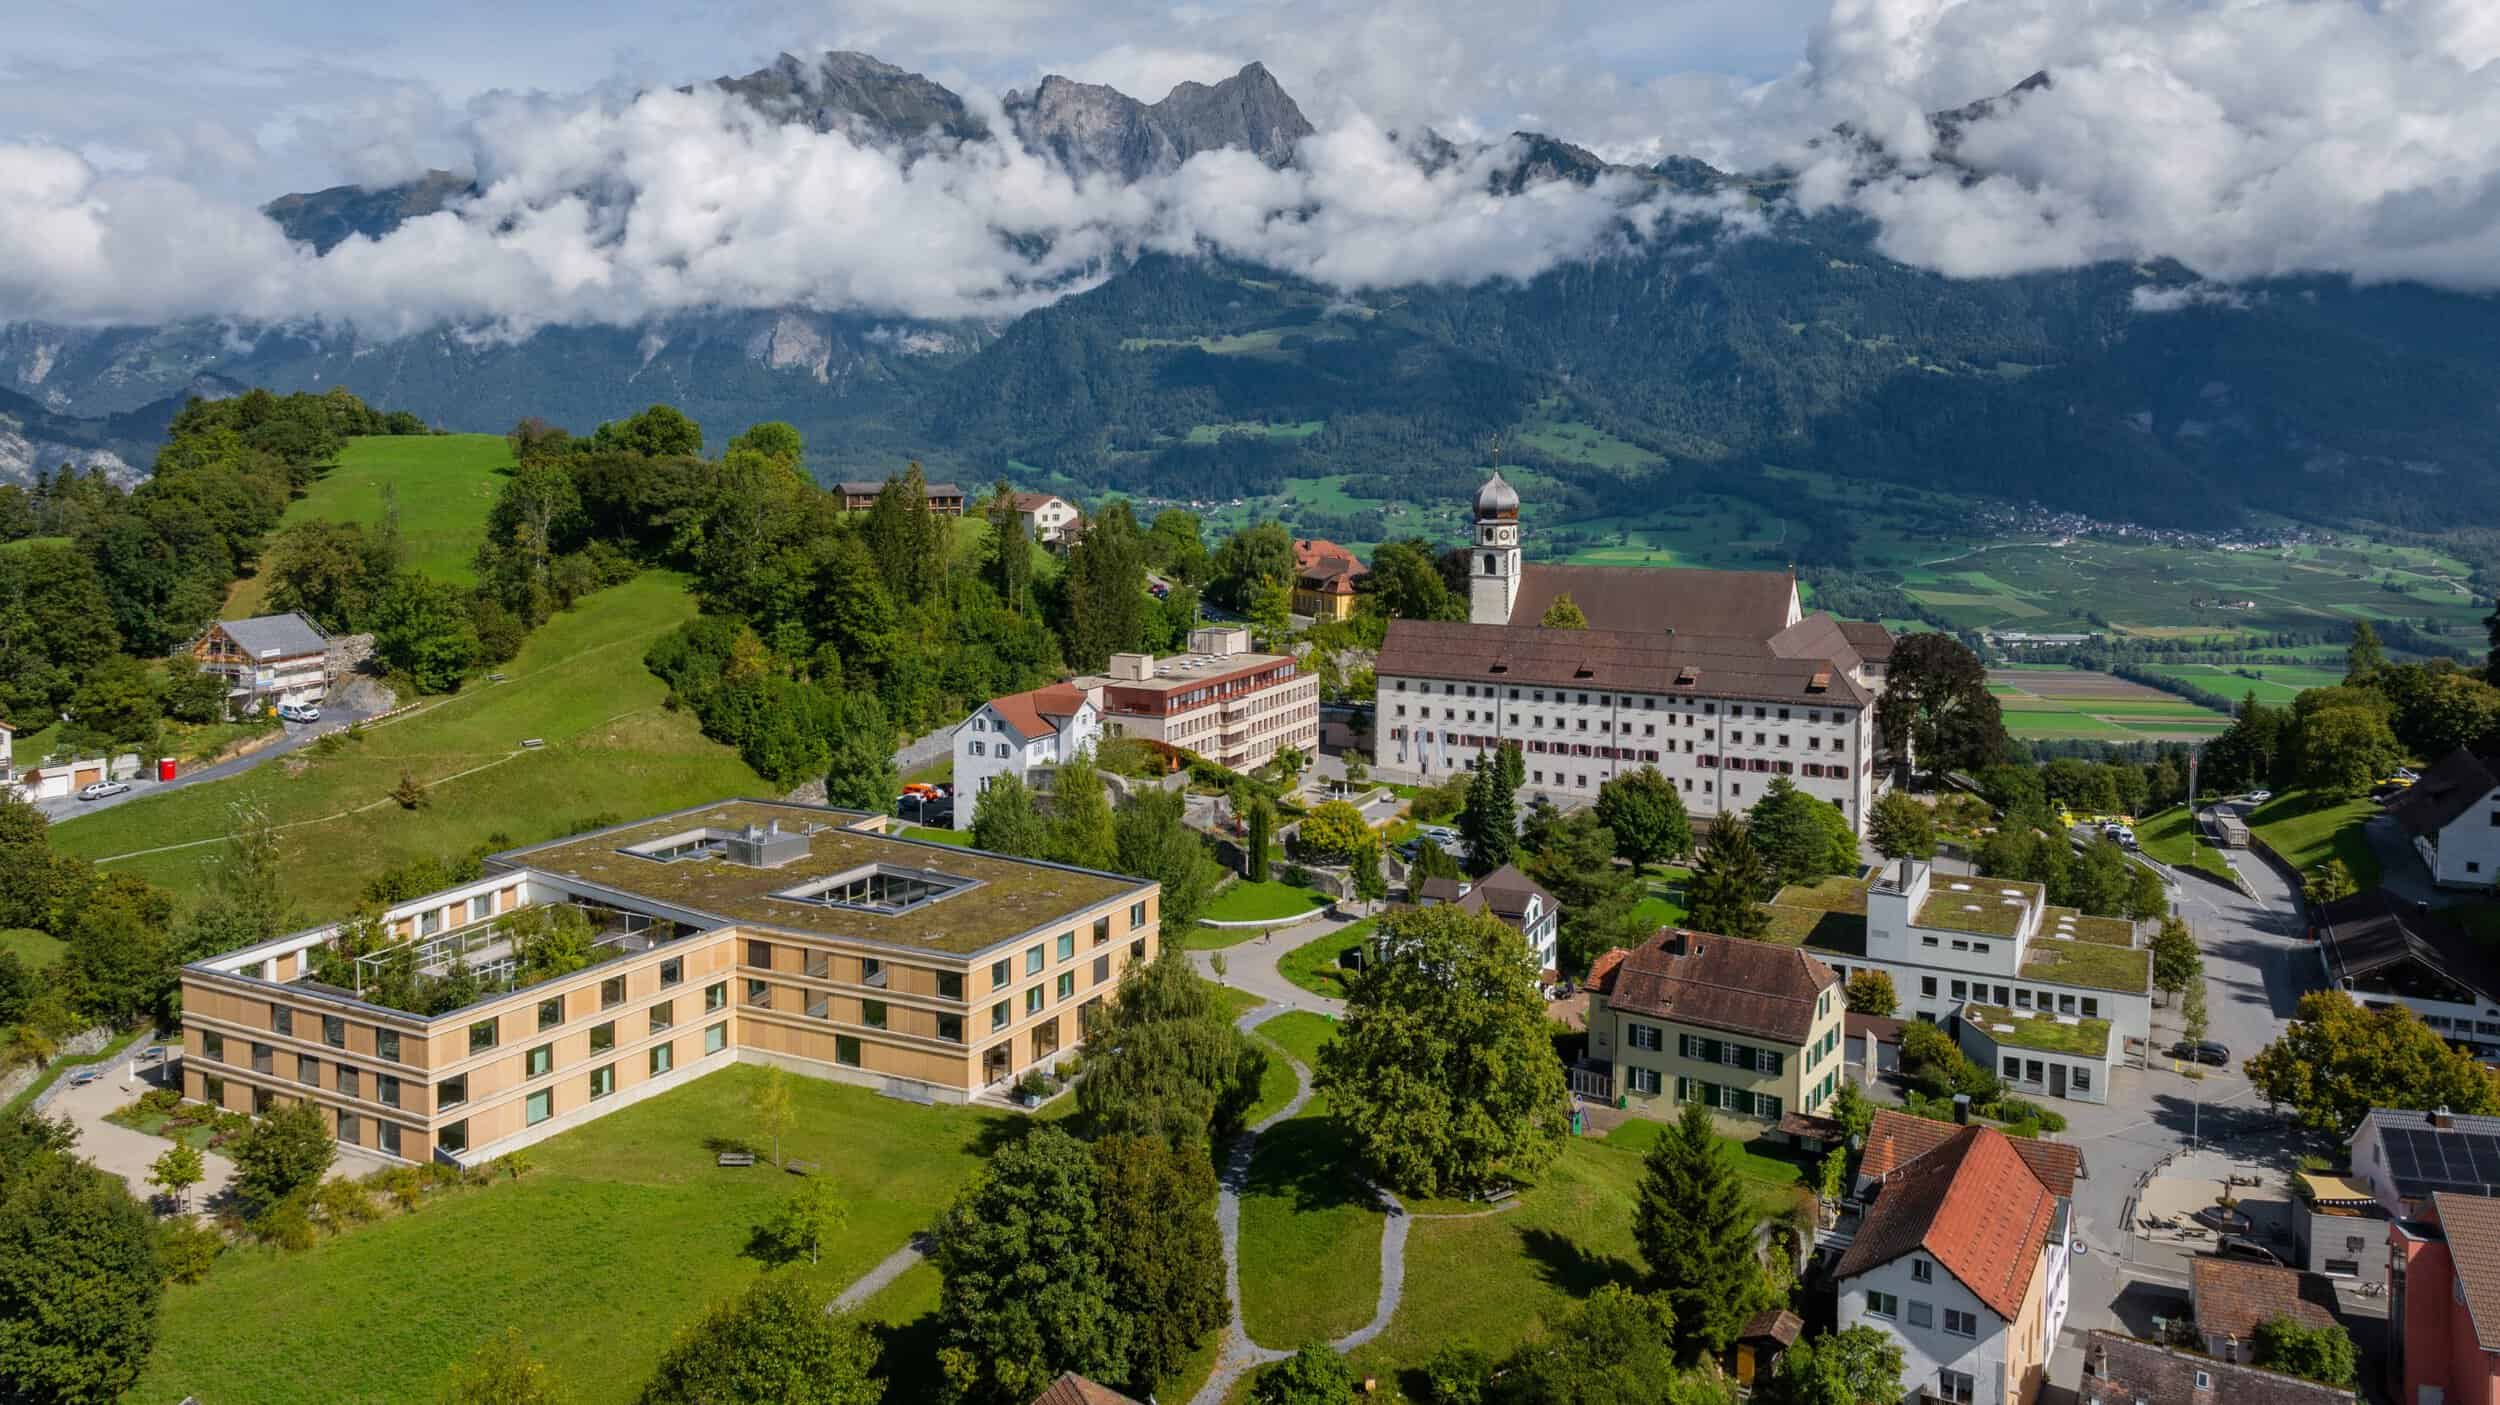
(2050, 1034)
(2068, 922)
(1831, 933)
(1830, 895)
(1983, 907)
(2090, 964)
(1003, 898)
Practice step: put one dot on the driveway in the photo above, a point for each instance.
(121, 1151)
(1251, 966)
(297, 735)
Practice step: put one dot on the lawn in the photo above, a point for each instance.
(578, 685)
(1310, 1231)
(1317, 966)
(1664, 904)
(2045, 1033)
(2172, 838)
(958, 838)
(1244, 901)
(624, 1232)
(2306, 831)
(32, 947)
(445, 485)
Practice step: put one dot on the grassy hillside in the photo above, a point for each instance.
(445, 484)
(579, 685)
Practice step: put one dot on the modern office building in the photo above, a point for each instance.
(1717, 678)
(743, 931)
(1230, 705)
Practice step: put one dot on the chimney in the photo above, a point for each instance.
(1133, 668)
(1961, 1109)
(2442, 1118)
(2097, 1364)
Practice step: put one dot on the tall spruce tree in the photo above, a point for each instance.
(1490, 821)
(1009, 565)
(1730, 879)
(1694, 1223)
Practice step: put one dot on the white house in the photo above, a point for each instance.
(1017, 734)
(2452, 815)
(1962, 1259)
(1046, 515)
(1517, 900)
(2383, 950)
(267, 661)
(8, 757)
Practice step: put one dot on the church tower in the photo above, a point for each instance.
(1493, 569)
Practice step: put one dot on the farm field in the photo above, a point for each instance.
(2273, 683)
(578, 685)
(2058, 704)
(445, 485)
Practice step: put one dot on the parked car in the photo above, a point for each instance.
(98, 790)
(2235, 1246)
(289, 712)
(2205, 1052)
(2259, 797)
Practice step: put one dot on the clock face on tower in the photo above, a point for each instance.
(1502, 535)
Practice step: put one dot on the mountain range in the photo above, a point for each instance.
(2124, 390)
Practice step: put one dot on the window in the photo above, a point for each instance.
(672, 972)
(308, 1070)
(387, 1137)
(872, 1013)
(262, 1102)
(1102, 969)
(999, 974)
(2081, 1079)
(760, 954)
(1067, 984)
(716, 996)
(951, 1028)
(538, 1106)
(282, 1021)
(429, 922)
(715, 1038)
(1136, 916)
(451, 1092)
(846, 1050)
(1955, 1387)
(1645, 1036)
(1927, 986)
(759, 994)
(539, 1062)
(386, 1090)
(386, 1044)
(602, 1081)
(1882, 1304)
(663, 1058)
(950, 985)
(334, 1031)
(481, 907)
(1643, 1080)
(213, 1091)
(483, 1034)
(349, 1131)
(1960, 1323)
(2204, 1380)
(2013, 1067)
(1000, 1013)
(1922, 1314)
(212, 1046)
(1137, 950)
(603, 1037)
(1102, 930)
(550, 1012)
(1922, 1271)
(611, 992)
(663, 1015)
(1067, 945)
(1033, 999)
(1033, 962)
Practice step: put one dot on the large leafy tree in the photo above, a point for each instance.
(2366, 657)
(1164, 1251)
(658, 431)
(775, 1344)
(2176, 960)
(1005, 822)
(1694, 1223)
(2323, 1354)
(1333, 832)
(1616, 1348)
(1730, 880)
(1154, 841)
(423, 628)
(1646, 816)
(1802, 838)
(2346, 750)
(1443, 1073)
(1314, 1375)
(1901, 828)
(1936, 703)
(1600, 900)
(1249, 558)
(1164, 1059)
(2337, 1060)
(1861, 1366)
(79, 1273)
(1405, 583)
(285, 1150)
(330, 572)
(1028, 1287)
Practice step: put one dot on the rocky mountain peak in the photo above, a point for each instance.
(1094, 129)
(857, 94)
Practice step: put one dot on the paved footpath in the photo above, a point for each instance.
(1251, 965)
(123, 1152)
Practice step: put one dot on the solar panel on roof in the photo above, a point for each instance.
(2400, 1158)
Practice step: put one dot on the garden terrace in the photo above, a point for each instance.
(2048, 1034)
(1983, 907)
(1830, 895)
(2092, 964)
(2069, 923)
(1839, 933)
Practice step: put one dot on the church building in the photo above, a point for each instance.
(1717, 678)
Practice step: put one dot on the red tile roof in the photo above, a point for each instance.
(1743, 987)
(2472, 1224)
(1310, 554)
(1974, 1206)
(1602, 970)
(2233, 1295)
(1073, 1389)
(1039, 712)
(1898, 1138)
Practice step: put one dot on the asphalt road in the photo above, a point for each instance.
(332, 719)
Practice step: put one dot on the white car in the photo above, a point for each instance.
(289, 712)
(98, 790)
(2260, 797)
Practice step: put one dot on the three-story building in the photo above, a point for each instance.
(1747, 1029)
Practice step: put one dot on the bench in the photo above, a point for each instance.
(737, 1158)
(797, 1167)
(1508, 1192)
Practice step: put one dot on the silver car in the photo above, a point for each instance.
(99, 790)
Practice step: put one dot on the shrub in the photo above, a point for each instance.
(286, 1223)
(160, 1100)
(344, 1204)
(188, 1250)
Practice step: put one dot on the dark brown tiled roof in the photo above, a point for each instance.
(1872, 641)
(2234, 1295)
(1882, 1029)
(1441, 890)
(1780, 1325)
(2445, 792)
(1035, 502)
(2370, 932)
(1645, 600)
(2472, 1224)
(1637, 661)
(1896, 1139)
(1817, 636)
(1974, 1206)
(1073, 1389)
(1505, 892)
(1724, 983)
(2123, 1371)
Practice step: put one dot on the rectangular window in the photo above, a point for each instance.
(349, 1131)
(715, 1038)
(2082, 1079)
(1137, 951)
(264, 1059)
(611, 992)
(1882, 1304)
(334, 1031)
(1066, 945)
(386, 1090)
(663, 1015)
(846, 1050)
(386, 1044)
(349, 1081)
(1067, 984)
(1960, 1323)
(951, 1028)
(950, 985)
(1033, 1000)
(1136, 916)
(759, 993)
(1000, 974)
(672, 972)
(716, 996)
(483, 1034)
(1102, 930)
(213, 1091)
(429, 922)
(308, 1070)
(550, 1012)
(1034, 960)
(1922, 1270)
(212, 1046)
(872, 1013)
(1645, 1081)
(663, 1058)
(603, 1037)
(1927, 986)
(451, 1092)
(1102, 969)
(1645, 1036)
(538, 1107)
(1000, 1014)
(760, 954)
(602, 1081)
(282, 1021)
(539, 1062)
(387, 1137)
(1922, 1314)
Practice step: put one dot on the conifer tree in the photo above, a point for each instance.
(1694, 1224)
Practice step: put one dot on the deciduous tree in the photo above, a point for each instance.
(1901, 828)
(806, 1221)
(1803, 839)
(1314, 1375)
(286, 1149)
(2176, 959)
(1564, 613)
(1646, 816)
(2337, 1060)
(775, 1344)
(2323, 1353)
(1005, 822)
(1871, 993)
(1028, 1290)
(502, 1372)
(1936, 703)
(774, 1105)
(859, 741)
(2345, 750)
(79, 1273)
(1860, 1366)
(1155, 841)
(176, 1170)
(1694, 1223)
(423, 629)
(1334, 832)
(1164, 1058)
(1081, 831)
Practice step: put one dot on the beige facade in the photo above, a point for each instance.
(959, 991)
(1746, 1078)
(1236, 708)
